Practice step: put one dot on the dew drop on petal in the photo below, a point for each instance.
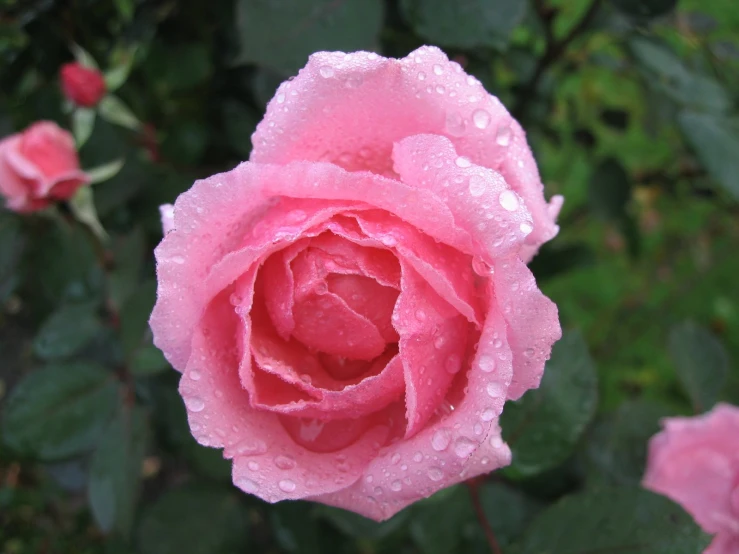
(194, 404)
(194, 375)
(503, 136)
(280, 98)
(417, 457)
(463, 447)
(461, 161)
(247, 485)
(526, 228)
(488, 414)
(495, 389)
(486, 363)
(286, 485)
(481, 119)
(396, 485)
(326, 71)
(421, 76)
(435, 474)
(252, 465)
(477, 185)
(284, 462)
(395, 458)
(440, 440)
(438, 70)
(508, 200)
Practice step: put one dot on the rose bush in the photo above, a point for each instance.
(39, 166)
(351, 309)
(695, 462)
(84, 86)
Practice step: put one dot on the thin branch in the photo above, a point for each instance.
(473, 485)
(553, 50)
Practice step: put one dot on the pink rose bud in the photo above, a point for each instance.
(351, 309)
(82, 85)
(695, 462)
(39, 166)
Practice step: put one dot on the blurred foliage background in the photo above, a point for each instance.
(631, 109)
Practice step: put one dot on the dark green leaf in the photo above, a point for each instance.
(610, 190)
(115, 471)
(701, 361)
(716, 142)
(180, 66)
(135, 317)
(645, 8)
(437, 523)
(358, 526)
(11, 248)
(545, 425)
(294, 528)
(186, 142)
(66, 331)
(60, 410)
(464, 23)
(616, 449)
(129, 251)
(507, 510)
(240, 122)
(281, 35)
(624, 520)
(148, 360)
(195, 519)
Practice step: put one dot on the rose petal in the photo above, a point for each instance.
(430, 95)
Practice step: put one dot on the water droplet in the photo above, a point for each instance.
(280, 98)
(247, 485)
(252, 465)
(488, 414)
(421, 76)
(438, 70)
(485, 461)
(372, 56)
(477, 185)
(420, 315)
(526, 228)
(194, 404)
(235, 299)
(439, 342)
(441, 439)
(194, 375)
(496, 441)
(503, 136)
(284, 462)
(369, 479)
(495, 389)
(178, 259)
(508, 200)
(378, 491)
(326, 71)
(481, 268)
(396, 485)
(417, 457)
(435, 474)
(462, 162)
(463, 447)
(395, 458)
(477, 428)
(455, 124)
(486, 363)
(481, 119)
(497, 343)
(529, 352)
(440, 89)
(286, 485)
(453, 364)
(389, 240)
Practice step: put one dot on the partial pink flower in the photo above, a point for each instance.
(84, 86)
(39, 166)
(350, 317)
(695, 462)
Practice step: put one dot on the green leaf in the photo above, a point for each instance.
(716, 142)
(134, 316)
(616, 449)
(507, 510)
(104, 172)
(59, 411)
(149, 360)
(667, 73)
(546, 424)
(294, 529)
(701, 361)
(437, 522)
(464, 23)
(66, 331)
(82, 205)
(12, 243)
(82, 56)
(240, 122)
(195, 519)
(623, 520)
(360, 527)
(645, 9)
(610, 190)
(83, 122)
(121, 69)
(115, 471)
(281, 35)
(128, 252)
(180, 66)
(113, 110)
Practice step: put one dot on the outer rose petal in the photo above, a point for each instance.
(460, 444)
(367, 103)
(695, 462)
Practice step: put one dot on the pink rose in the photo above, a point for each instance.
(695, 462)
(39, 166)
(84, 86)
(350, 309)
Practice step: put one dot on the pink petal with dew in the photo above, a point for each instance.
(365, 103)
